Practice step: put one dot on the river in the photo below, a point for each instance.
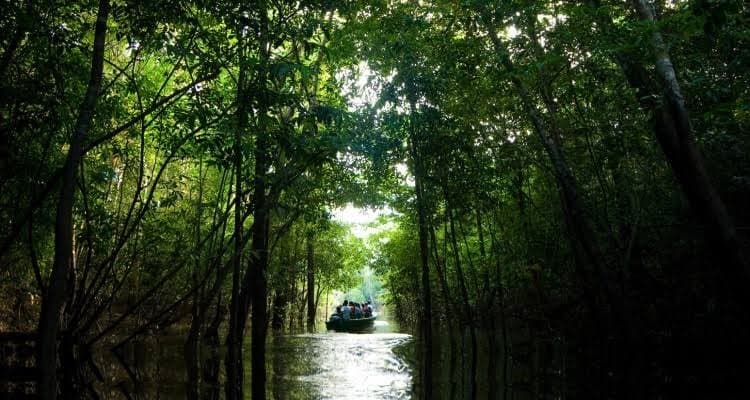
(322, 365)
(341, 365)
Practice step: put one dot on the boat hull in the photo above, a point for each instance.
(351, 325)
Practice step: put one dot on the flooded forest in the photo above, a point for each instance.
(374, 199)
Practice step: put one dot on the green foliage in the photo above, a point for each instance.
(152, 220)
(155, 189)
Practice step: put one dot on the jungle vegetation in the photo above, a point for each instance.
(568, 181)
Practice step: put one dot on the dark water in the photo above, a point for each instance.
(323, 365)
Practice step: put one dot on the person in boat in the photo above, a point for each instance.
(346, 311)
(358, 311)
(368, 310)
(337, 315)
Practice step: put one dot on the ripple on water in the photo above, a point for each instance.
(342, 366)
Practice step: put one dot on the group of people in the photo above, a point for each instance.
(351, 310)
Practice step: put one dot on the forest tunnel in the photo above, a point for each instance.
(542, 199)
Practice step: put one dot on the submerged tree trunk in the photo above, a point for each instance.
(489, 304)
(506, 345)
(449, 305)
(259, 255)
(192, 352)
(233, 361)
(192, 342)
(212, 361)
(468, 313)
(258, 286)
(426, 306)
(57, 291)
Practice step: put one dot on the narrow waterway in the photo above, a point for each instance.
(322, 365)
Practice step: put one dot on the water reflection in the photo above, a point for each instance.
(323, 365)
(341, 366)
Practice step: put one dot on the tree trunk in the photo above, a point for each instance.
(197, 314)
(259, 285)
(233, 361)
(468, 313)
(490, 317)
(426, 308)
(310, 283)
(506, 345)
(279, 307)
(292, 295)
(212, 361)
(282, 288)
(192, 356)
(55, 297)
(450, 307)
(259, 254)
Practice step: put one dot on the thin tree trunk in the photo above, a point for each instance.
(426, 306)
(260, 229)
(192, 342)
(212, 362)
(292, 295)
(310, 282)
(507, 365)
(490, 317)
(281, 291)
(450, 306)
(468, 313)
(55, 296)
(472, 273)
(233, 361)
(191, 351)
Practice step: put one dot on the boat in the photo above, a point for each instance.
(351, 325)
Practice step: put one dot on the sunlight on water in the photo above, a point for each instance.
(342, 365)
(323, 365)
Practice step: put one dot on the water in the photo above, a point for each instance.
(323, 365)
(341, 366)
